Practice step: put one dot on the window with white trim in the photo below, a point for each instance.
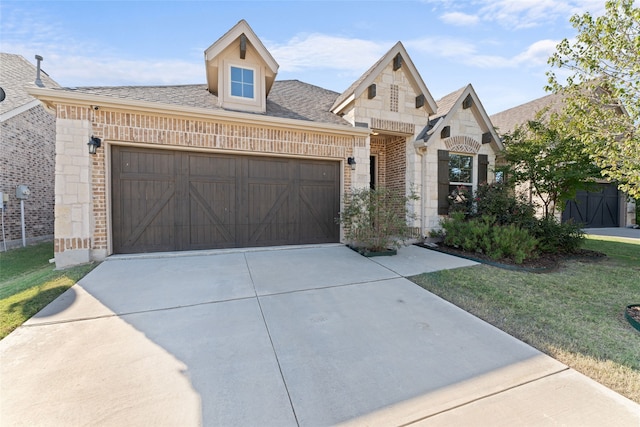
(460, 171)
(242, 82)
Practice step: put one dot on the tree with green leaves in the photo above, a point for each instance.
(602, 91)
(551, 163)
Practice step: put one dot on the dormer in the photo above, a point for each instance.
(240, 70)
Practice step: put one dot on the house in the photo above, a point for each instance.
(605, 206)
(247, 160)
(27, 149)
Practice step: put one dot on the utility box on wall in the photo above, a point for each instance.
(22, 192)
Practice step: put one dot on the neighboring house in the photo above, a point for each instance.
(247, 160)
(27, 150)
(605, 206)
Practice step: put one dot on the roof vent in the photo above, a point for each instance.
(38, 81)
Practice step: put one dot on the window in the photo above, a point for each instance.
(242, 82)
(460, 171)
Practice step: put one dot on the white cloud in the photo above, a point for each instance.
(320, 51)
(459, 19)
(465, 52)
(515, 14)
(538, 53)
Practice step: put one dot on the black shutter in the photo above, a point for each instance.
(443, 182)
(483, 166)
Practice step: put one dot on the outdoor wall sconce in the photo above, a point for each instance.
(351, 161)
(93, 144)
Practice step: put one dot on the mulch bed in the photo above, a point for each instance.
(543, 264)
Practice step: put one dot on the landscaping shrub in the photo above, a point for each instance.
(511, 241)
(377, 220)
(557, 237)
(485, 235)
(502, 225)
(497, 199)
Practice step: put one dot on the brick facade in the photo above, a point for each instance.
(27, 147)
(82, 208)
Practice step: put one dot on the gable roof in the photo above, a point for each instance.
(449, 104)
(360, 85)
(15, 74)
(507, 120)
(291, 99)
(242, 27)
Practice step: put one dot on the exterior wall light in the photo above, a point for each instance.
(93, 144)
(352, 162)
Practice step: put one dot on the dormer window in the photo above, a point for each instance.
(242, 82)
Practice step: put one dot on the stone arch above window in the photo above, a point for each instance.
(462, 144)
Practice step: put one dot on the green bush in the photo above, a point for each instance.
(512, 242)
(557, 237)
(485, 235)
(377, 219)
(497, 199)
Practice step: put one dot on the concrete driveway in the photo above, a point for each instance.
(309, 336)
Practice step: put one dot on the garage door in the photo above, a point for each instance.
(595, 208)
(173, 201)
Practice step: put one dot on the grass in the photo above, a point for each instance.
(575, 314)
(28, 282)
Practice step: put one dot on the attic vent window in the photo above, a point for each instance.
(243, 46)
(371, 91)
(397, 62)
(420, 101)
(467, 102)
(242, 82)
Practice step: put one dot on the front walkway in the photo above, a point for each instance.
(310, 336)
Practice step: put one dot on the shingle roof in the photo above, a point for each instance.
(446, 103)
(16, 73)
(506, 121)
(347, 93)
(291, 99)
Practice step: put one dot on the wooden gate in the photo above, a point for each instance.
(595, 209)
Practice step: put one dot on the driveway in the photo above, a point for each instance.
(308, 336)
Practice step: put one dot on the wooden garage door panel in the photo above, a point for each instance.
(270, 216)
(318, 209)
(319, 201)
(212, 201)
(144, 202)
(165, 200)
(211, 215)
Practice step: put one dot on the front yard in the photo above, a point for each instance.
(28, 282)
(575, 314)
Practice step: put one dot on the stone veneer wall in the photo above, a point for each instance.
(81, 180)
(27, 149)
(466, 137)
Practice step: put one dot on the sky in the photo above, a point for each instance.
(501, 47)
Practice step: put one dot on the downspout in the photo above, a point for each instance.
(421, 150)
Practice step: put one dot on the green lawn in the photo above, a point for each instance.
(28, 282)
(575, 314)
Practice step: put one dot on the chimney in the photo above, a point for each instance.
(38, 81)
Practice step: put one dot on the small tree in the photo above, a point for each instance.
(603, 93)
(377, 219)
(553, 165)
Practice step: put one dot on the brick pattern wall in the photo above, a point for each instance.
(27, 149)
(396, 163)
(181, 133)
